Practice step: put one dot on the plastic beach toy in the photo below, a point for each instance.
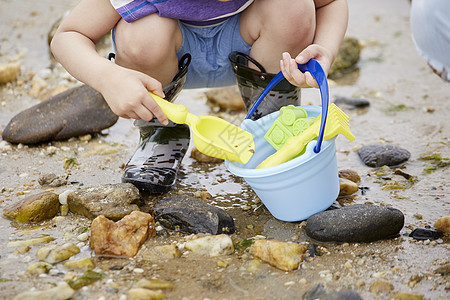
(291, 122)
(316, 70)
(337, 123)
(212, 136)
(298, 188)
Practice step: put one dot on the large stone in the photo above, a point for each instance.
(114, 201)
(282, 255)
(378, 155)
(355, 223)
(77, 111)
(347, 58)
(190, 215)
(123, 237)
(34, 208)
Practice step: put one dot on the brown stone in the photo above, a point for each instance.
(123, 237)
(34, 208)
(350, 175)
(347, 187)
(443, 224)
(282, 255)
(381, 287)
(226, 98)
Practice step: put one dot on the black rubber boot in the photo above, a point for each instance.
(154, 165)
(252, 82)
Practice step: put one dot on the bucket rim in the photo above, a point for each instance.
(281, 168)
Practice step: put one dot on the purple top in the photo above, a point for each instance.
(193, 12)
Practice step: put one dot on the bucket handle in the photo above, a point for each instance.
(316, 70)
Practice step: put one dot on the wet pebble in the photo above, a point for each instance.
(39, 267)
(378, 155)
(352, 102)
(144, 294)
(282, 255)
(425, 234)
(355, 223)
(82, 264)
(443, 224)
(123, 237)
(9, 72)
(190, 215)
(56, 253)
(381, 287)
(406, 296)
(60, 292)
(114, 201)
(319, 292)
(52, 180)
(350, 175)
(34, 208)
(163, 252)
(154, 284)
(211, 245)
(347, 187)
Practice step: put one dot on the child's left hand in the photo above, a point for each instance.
(290, 69)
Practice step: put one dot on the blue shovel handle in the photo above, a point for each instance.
(313, 67)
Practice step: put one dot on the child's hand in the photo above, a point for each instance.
(290, 69)
(126, 93)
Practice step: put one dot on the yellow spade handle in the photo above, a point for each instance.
(177, 113)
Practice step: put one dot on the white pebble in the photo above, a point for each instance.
(83, 237)
(138, 270)
(5, 146)
(63, 197)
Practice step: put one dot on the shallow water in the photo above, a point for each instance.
(409, 107)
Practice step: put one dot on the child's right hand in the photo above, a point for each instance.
(127, 93)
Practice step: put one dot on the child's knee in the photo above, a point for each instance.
(145, 42)
(293, 19)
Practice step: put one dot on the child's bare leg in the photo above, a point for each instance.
(272, 27)
(149, 45)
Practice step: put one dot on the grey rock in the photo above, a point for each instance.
(378, 155)
(318, 292)
(77, 111)
(114, 201)
(190, 215)
(351, 102)
(355, 223)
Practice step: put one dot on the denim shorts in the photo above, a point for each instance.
(209, 48)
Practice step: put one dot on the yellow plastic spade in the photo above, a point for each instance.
(337, 123)
(212, 136)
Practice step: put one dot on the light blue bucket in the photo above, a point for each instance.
(296, 189)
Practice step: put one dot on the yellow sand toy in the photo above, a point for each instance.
(336, 123)
(212, 136)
